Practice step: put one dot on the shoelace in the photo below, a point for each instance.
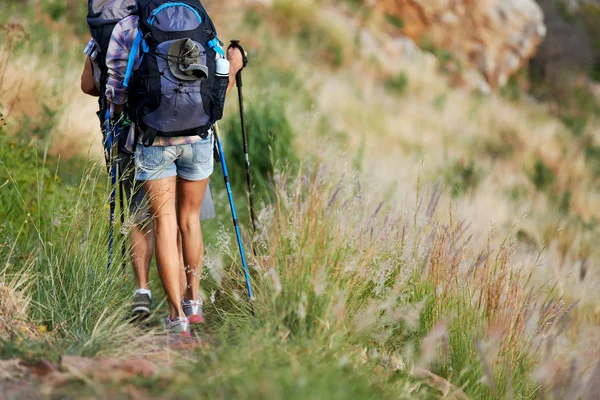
(191, 302)
(176, 321)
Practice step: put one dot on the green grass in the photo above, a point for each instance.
(55, 235)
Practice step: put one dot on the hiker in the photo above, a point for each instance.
(172, 90)
(140, 235)
(102, 17)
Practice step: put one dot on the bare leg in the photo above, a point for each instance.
(182, 274)
(190, 195)
(142, 242)
(161, 194)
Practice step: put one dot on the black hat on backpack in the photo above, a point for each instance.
(184, 61)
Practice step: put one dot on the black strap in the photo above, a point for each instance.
(150, 133)
(149, 136)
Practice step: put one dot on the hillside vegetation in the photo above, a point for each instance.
(416, 240)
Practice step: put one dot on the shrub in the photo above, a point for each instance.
(397, 84)
(592, 156)
(576, 108)
(575, 123)
(252, 19)
(270, 143)
(462, 176)
(564, 202)
(440, 102)
(501, 144)
(541, 176)
(395, 20)
(317, 34)
(72, 12)
(353, 3)
(512, 90)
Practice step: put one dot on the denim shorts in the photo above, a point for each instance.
(192, 162)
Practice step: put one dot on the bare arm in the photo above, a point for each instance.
(117, 60)
(88, 85)
(236, 63)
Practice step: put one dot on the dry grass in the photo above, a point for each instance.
(76, 130)
(388, 270)
(432, 125)
(32, 88)
(15, 301)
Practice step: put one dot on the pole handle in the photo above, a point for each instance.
(235, 44)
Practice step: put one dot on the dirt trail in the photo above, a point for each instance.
(21, 379)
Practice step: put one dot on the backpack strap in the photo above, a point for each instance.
(137, 43)
(149, 136)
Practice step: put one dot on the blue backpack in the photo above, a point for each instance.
(167, 103)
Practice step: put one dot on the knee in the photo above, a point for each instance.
(189, 223)
(165, 226)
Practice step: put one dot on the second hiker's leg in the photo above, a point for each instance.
(140, 236)
(142, 244)
(142, 239)
(161, 195)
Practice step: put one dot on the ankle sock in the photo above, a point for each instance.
(184, 301)
(143, 291)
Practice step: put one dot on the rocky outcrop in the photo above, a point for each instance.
(494, 36)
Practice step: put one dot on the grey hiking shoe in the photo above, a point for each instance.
(141, 305)
(179, 326)
(193, 310)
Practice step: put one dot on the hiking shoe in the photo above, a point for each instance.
(193, 310)
(141, 305)
(179, 326)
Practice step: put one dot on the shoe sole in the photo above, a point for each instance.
(140, 312)
(196, 319)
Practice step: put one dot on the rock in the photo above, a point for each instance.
(40, 368)
(12, 369)
(495, 37)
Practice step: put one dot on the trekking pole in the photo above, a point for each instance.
(109, 149)
(236, 224)
(238, 80)
(122, 208)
